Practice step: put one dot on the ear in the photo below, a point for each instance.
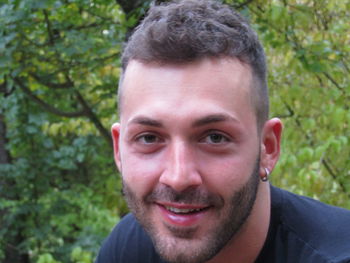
(270, 144)
(116, 135)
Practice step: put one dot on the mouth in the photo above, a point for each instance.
(183, 215)
(184, 211)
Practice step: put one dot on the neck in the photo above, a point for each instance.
(248, 242)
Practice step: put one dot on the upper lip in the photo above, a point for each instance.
(182, 205)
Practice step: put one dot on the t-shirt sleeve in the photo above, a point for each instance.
(128, 242)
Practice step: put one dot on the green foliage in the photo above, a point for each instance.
(59, 69)
(307, 46)
(58, 76)
(78, 255)
(47, 258)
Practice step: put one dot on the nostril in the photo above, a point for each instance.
(180, 180)
(180, 172)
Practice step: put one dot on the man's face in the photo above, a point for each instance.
(188, 151)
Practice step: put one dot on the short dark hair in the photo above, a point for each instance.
(188, 30)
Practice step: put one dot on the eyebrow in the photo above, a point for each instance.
(213, 118)
(142, 120)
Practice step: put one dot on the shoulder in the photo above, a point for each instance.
(127, 242)
(311, 227)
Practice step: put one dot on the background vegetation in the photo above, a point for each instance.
(59, 69)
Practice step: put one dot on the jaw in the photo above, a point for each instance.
(195, 237)
(249, 240)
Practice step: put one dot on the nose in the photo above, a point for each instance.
(181, 170)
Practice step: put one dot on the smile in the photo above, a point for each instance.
(182, 215)
(183, 210)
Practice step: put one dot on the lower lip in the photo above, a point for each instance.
(185, 220)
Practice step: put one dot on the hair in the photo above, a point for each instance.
(188, 30)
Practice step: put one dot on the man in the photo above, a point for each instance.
(195, 148)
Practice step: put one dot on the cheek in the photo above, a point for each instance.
(141, 174)
(225, 174)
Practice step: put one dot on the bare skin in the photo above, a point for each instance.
(247, 244)
(191, 128)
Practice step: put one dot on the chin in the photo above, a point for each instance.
(179, 250)
(202, 241)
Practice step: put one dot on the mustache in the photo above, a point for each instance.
(190, 196)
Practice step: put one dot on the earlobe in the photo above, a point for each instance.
(271, 144)
(116, 135)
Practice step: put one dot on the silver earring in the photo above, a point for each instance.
(266, 176)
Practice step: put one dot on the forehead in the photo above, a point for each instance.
(205, 85)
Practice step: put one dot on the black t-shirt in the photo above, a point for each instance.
(301, 230)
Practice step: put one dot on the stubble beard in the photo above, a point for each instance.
(181, 247)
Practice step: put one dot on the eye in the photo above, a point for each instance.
(215, 138)
(148, 138)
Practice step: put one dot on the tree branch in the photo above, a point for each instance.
(52, 85)
(5, 157)
(45, 105)
(240, 6)
(329, 169)
(129, 5)
(345, 65)
(48, 26)
(94, 119)
(3, 88)
(333, 81)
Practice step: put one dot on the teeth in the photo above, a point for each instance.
(181, 211)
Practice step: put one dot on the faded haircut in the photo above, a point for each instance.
(189, 30)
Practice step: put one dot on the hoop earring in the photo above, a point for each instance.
(266, 176)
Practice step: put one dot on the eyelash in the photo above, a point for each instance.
(144, 135)
(223, 138)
